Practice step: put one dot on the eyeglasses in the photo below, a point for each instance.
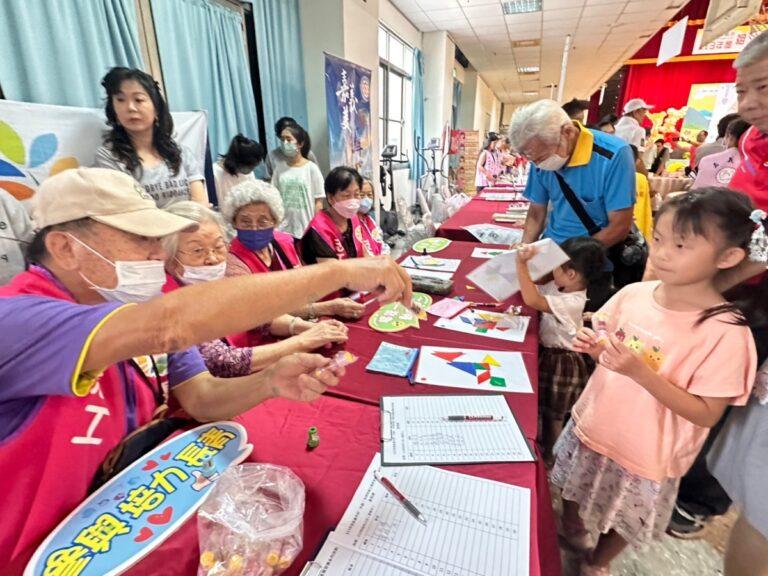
(260, 224)
(200, 254)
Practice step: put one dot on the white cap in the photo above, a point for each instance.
(636, 104)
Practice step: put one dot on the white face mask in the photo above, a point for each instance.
(199, 274)
(137, 281)
(554, 162)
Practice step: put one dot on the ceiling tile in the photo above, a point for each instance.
(454, 14)
(522, 19)
(562, 14)
(485, 11)
(437, 4)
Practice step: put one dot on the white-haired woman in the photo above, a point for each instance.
(255, 209)
(199, 255)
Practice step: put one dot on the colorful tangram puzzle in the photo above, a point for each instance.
(489, 370)
(480, 370)
(503, 326)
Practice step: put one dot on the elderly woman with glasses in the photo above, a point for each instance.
(254, 209)
(199, 255)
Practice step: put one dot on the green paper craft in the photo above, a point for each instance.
(395, 317)
(431, 245)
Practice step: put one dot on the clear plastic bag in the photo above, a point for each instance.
(252, 522)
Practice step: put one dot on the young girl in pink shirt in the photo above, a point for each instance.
(672, 355)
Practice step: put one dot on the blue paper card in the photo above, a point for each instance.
(393, 359)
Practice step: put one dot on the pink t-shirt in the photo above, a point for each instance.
(618, 418)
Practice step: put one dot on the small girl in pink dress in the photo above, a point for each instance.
(672, 356)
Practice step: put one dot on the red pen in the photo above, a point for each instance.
(402, 500)
(462, 418)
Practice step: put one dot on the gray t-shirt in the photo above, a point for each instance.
(158, 181)
(277, 159)
(15, 234)
(299, 187)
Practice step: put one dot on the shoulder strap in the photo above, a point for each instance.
(577, 206)
(287, 265)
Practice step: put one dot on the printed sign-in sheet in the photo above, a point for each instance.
(427, 430)
(475, 527)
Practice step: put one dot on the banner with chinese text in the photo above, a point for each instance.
(141, 507)
(348, 105)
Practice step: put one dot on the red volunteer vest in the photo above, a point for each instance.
(751, 176)
(285, 244)
(48, 465)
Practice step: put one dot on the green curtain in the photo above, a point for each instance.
(205, 66)
(417, 164)
(57, 51)
(281, 62)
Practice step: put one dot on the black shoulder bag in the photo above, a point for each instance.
(628, 256)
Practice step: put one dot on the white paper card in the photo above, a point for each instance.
(487, 324)
(492, 234)
(498, 277)
(488, 253)
(431, 263)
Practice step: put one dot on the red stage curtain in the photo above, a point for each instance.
(668, 86)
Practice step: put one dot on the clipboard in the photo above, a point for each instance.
(397, 437)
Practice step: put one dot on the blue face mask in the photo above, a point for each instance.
(256, 239)
(365, 205)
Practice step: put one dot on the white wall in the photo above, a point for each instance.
(439, 51)
(322, 30)
(468, 97)
(486, 104)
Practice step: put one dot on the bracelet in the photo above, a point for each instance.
(292, 326)
(311, 312)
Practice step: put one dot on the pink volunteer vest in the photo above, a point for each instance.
(324, 225)
(369, 225)
(48, 465)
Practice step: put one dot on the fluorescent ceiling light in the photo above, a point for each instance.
(521, 6)
(528, 70)
(531, 93)
(525, 43)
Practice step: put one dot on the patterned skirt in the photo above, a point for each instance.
(563, 374)
(609, 496)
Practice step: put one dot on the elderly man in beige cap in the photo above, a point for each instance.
(92, 301)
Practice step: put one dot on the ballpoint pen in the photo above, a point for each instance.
(402, 500)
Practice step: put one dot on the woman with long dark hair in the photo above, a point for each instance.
(140, 140)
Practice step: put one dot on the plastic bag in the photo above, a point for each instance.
(252, 522)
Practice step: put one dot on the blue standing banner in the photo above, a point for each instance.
(138, 509)
(348, 104)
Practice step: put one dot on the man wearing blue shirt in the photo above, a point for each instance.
(598, 167)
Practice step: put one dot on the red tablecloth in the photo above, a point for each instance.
(349, 437)
(363, 342)
(478, 211)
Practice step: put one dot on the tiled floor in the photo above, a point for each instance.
(670, 556)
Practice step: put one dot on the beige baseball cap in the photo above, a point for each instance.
(636, 104)
(107, 196)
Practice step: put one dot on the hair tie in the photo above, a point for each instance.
(758, 244)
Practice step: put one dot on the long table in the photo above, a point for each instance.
(348, 421)
(477, 211)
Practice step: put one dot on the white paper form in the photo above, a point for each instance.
(336, 559)
(498, 277)
(417, 430)
(488, 253)
(475, 527)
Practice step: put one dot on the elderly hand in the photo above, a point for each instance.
(301, 377)
(379, 274)
(347, 308)
(323, 333)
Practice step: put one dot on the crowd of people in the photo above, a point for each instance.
(129, 263)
